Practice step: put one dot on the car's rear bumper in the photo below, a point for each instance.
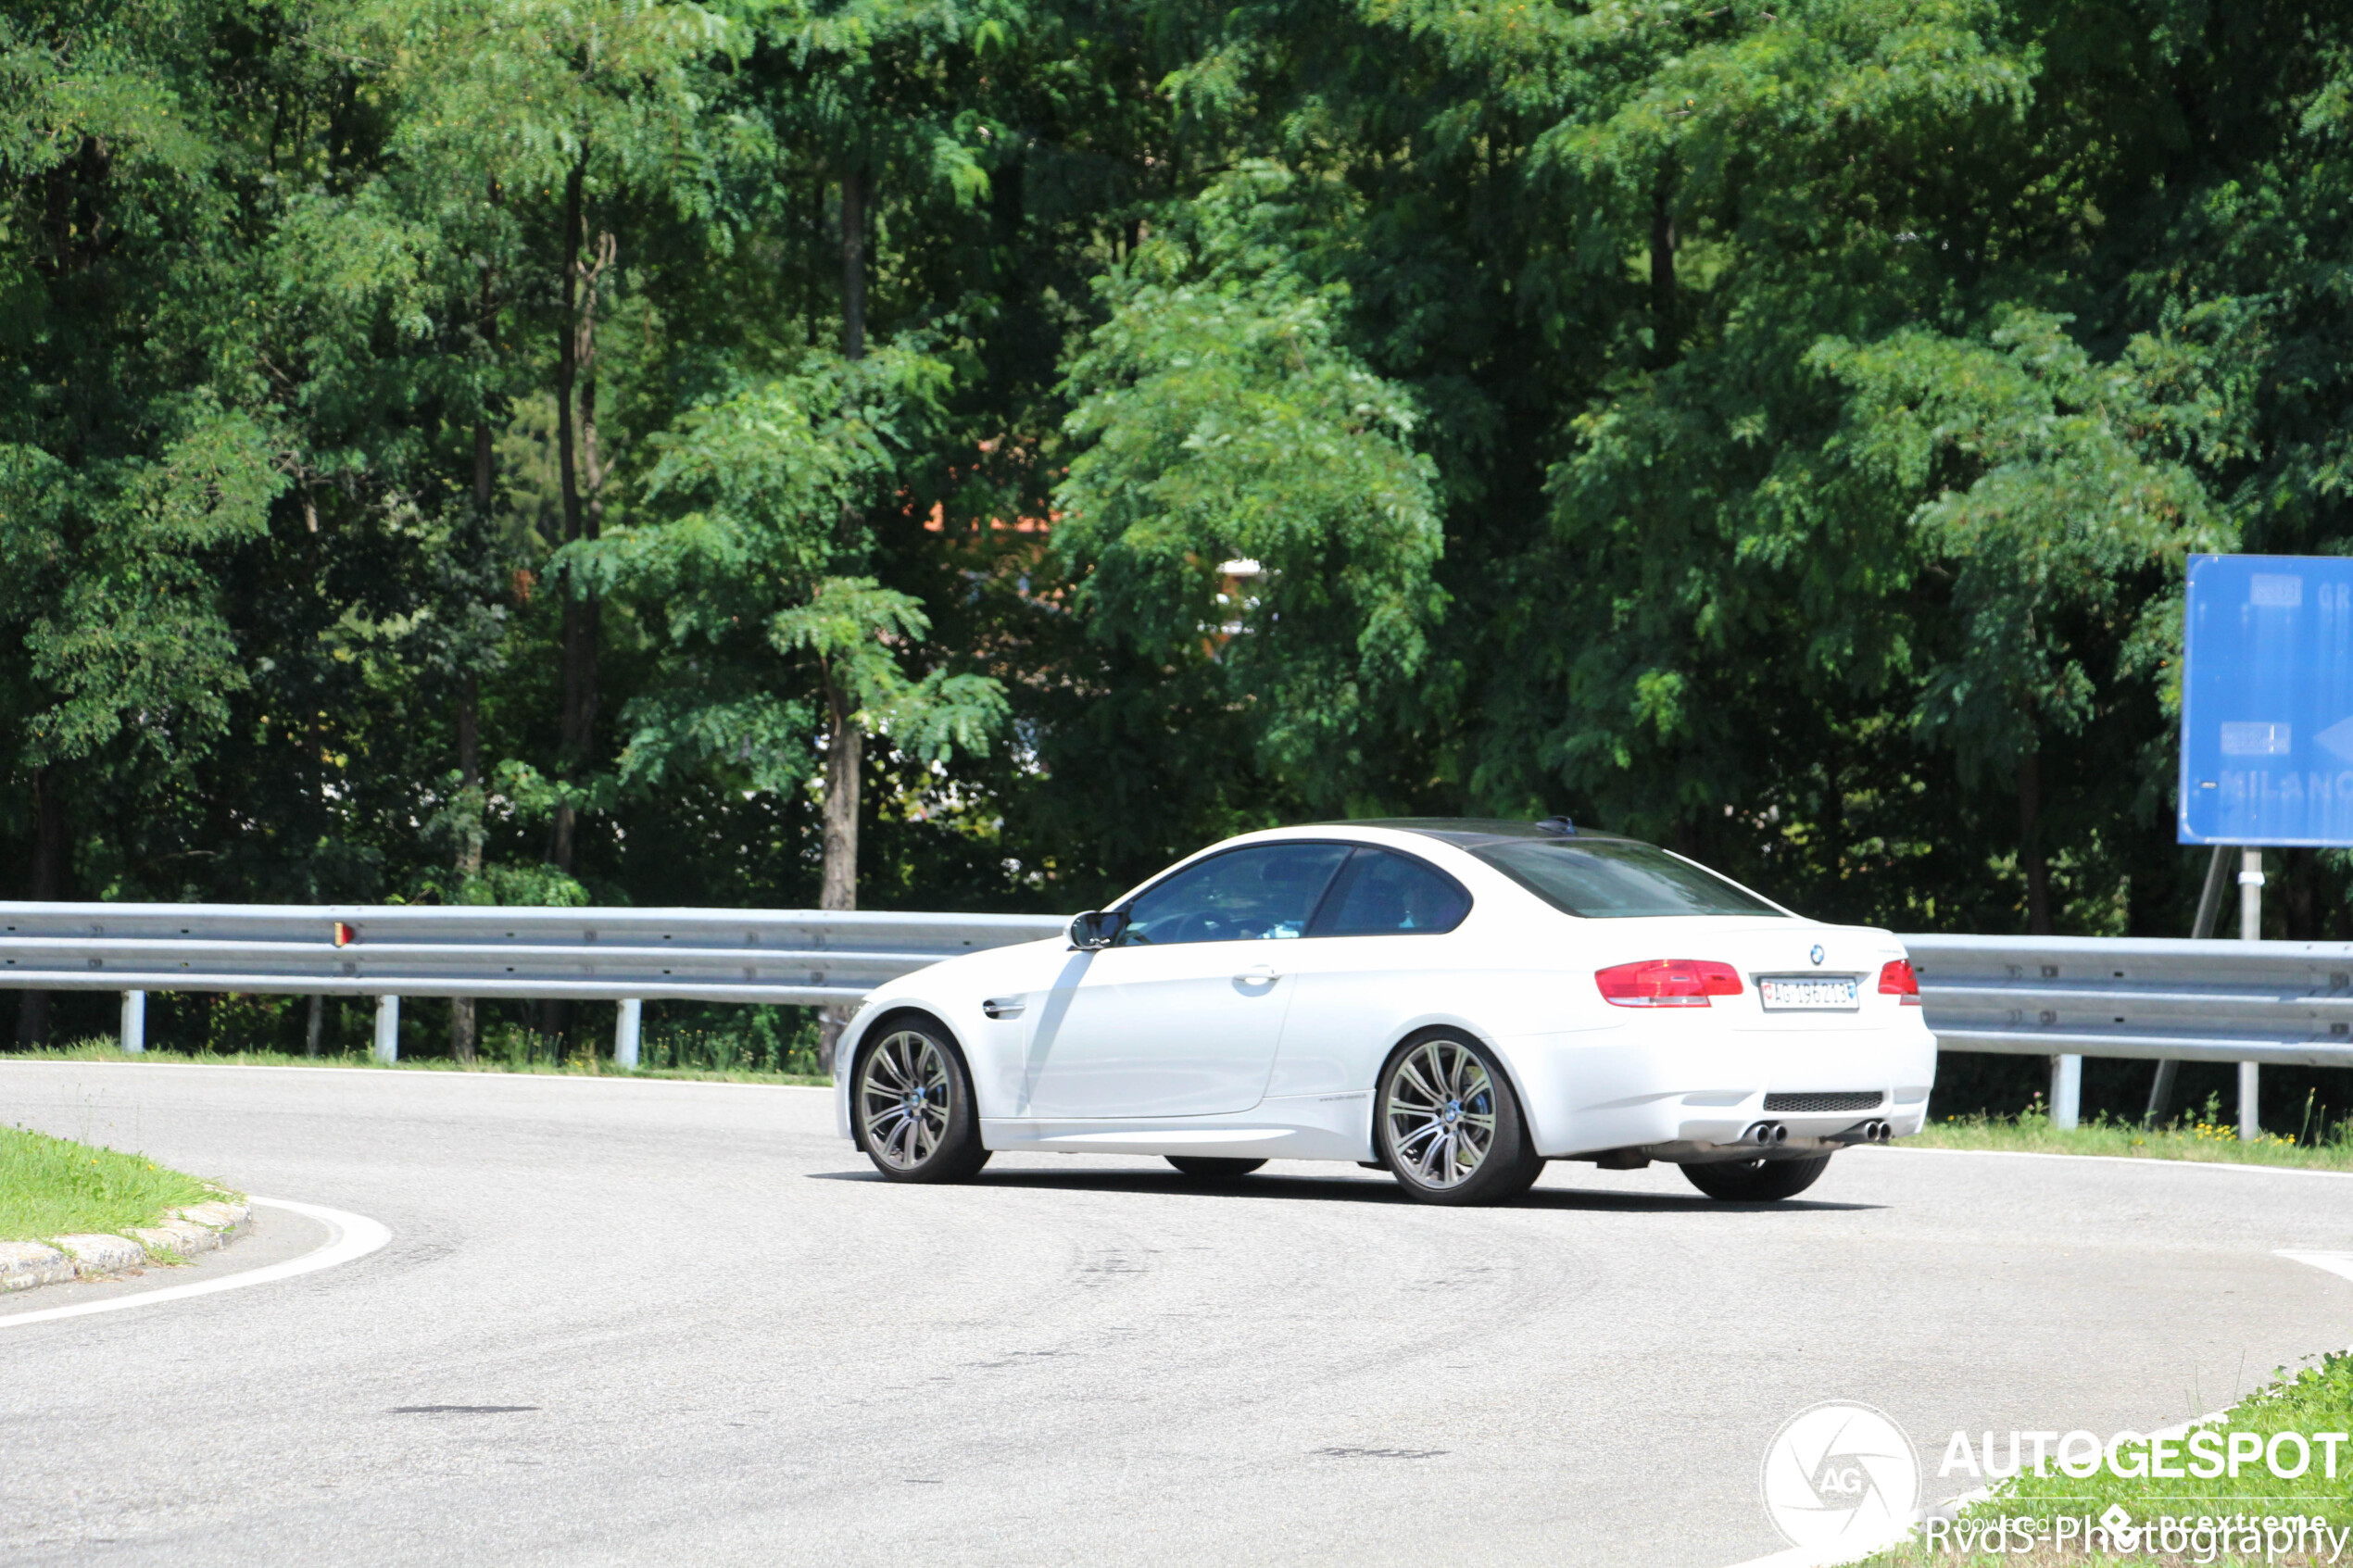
(1679, 1090)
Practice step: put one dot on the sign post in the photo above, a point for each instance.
(2267, 720)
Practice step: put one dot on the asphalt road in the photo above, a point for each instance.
(638, 1323)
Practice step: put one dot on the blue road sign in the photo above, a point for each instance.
(2267, 701)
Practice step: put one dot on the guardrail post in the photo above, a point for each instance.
(134, 1023)
(387, 1029)
(2066, 1090)
(624, 1032)
(2250, 930)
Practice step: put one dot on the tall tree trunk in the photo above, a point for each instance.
(461, 1009)
(2030, 844)
(845, 746)
(52, 849)
(853, 265)
(845, 743)
(1662, 331)
(463, 1025)
(592, 452)
(576, 718)
(575, 383)
(1841, 828)
(1007, 194)
(486, 471)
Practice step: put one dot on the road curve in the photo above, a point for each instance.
(633, 1323)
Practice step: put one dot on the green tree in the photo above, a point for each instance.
(551, 127)
(747, 553)
(132, 455)
(1217, 422)
(2045, 486)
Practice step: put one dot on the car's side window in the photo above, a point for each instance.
(1380, 893)
(1243, 895)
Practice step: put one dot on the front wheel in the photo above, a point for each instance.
(915, 1116)
(1446, 1125)
(1757, 1181)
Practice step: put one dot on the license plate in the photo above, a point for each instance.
(1810, 993)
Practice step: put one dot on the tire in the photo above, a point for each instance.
(1210, 1168)
(1757, 1181)
(1446, 1123)
(911, 1102)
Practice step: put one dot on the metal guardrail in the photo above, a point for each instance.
(812, 957)
(809, 956)
(2279, 1003)
(2062, 996)
(2067, 997)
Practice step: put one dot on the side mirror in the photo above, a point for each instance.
(1096, 929)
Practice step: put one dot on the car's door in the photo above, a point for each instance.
(1182, 1015)
(1376, 953)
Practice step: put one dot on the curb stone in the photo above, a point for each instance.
(197, 1228)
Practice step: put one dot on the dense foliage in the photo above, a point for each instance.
(664, 452)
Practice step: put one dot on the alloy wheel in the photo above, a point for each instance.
(1440, 1110)
(902, 1099)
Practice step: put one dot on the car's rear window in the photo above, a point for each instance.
(1616, 881)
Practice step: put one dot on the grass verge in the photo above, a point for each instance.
(2315, 1399)
(2199, 1136)
(54, 1186)
(579, 1066)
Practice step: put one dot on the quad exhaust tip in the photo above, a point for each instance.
(1773, 1134)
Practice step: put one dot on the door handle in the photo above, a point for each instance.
(1260, 972)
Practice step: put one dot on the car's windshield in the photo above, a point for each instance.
(1605, 880)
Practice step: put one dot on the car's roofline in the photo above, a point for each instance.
(1481, 880)
(1469, 831)
(1466, 836)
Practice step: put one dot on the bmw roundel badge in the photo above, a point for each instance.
(1816, 954)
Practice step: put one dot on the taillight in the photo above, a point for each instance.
(1666, 983)
(1896, 979)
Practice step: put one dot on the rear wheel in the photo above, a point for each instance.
(1757, 1181)
(1446, 1125)
(1211, 1168)
(916, 1120)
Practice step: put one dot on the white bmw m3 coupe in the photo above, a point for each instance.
(1456, 1002)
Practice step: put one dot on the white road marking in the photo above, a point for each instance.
(352, 1236)
(405, 1074)
(2142, 1160)
(2339, 1263)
